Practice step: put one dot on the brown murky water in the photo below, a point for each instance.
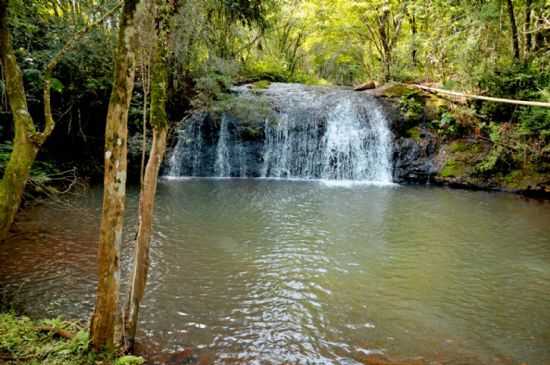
(256, 271)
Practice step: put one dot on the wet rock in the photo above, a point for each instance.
(415, 160)
(185, 357)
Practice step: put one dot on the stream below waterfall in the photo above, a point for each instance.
(297, 248)
(256, 271)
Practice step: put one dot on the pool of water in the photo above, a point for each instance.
(263, 271)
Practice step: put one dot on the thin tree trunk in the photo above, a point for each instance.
(414, 31)
(146, 76)
(24, 151)
(143, 241)
(527, 28)
(106, 315)
(159, 124)
(27, 139)
(514, 27)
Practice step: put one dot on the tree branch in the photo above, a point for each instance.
(40, 137)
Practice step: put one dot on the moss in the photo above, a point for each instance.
(458, 146)
(522, 179)
(399, 90)
(412, 109)
(261, 85)
(467, 149)
(453, 168)
(24, 341)
(249, 111)
(434, 106)
(415, 133)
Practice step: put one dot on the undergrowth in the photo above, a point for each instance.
(24, 341)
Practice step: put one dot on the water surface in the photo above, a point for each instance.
(263, 271)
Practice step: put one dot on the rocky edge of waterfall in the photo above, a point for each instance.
(438, 141)
(434, 140)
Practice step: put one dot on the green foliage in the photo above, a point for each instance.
(261, 85)
(522, 82)
(129, 360)
(45, 177)
(5, 151)
(213, 85)
(24, 339)
(492, 162)
(412, 107)
(535, 121)
(501, 158)
(448, 125)
(57, 85)
(452, 168)
(269, 69)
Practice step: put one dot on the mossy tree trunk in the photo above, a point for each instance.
(27, 139)
(106, 317)
(25, 143)
(159, 124)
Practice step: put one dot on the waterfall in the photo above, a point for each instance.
(223, 165)
(311, 133)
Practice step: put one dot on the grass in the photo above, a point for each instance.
(25, 341)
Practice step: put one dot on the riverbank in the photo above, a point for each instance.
(50, 342)
(447, 141)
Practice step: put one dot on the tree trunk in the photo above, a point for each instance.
(141, 256)
(24, 149)
(27, 139)
(542, 34)
(414, 31)
(513, 25)
(159, 123)
(106, 315)
(527, 28)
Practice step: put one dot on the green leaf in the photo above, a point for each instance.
(57, 86)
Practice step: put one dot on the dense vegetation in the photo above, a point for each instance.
(462, 45)
(470, 45)
(52, 342)
(186, 55)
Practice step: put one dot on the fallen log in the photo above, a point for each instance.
(366, 86)
(56, 332)
(479, 97)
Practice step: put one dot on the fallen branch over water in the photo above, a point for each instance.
(486, 98)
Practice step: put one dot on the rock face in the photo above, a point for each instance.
(391, 134)
(288, 131)
(415, 161)
(435, 143)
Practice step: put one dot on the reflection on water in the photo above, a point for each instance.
(255, 271)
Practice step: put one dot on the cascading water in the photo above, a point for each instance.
(223, 158)
(309, 133)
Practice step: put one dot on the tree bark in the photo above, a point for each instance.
(24, 150)
(514, 27)
(159, 124)
(27, 139)
(106, 317)
(414, 31)
(527, 28)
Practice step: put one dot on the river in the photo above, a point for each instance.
(274, 271)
